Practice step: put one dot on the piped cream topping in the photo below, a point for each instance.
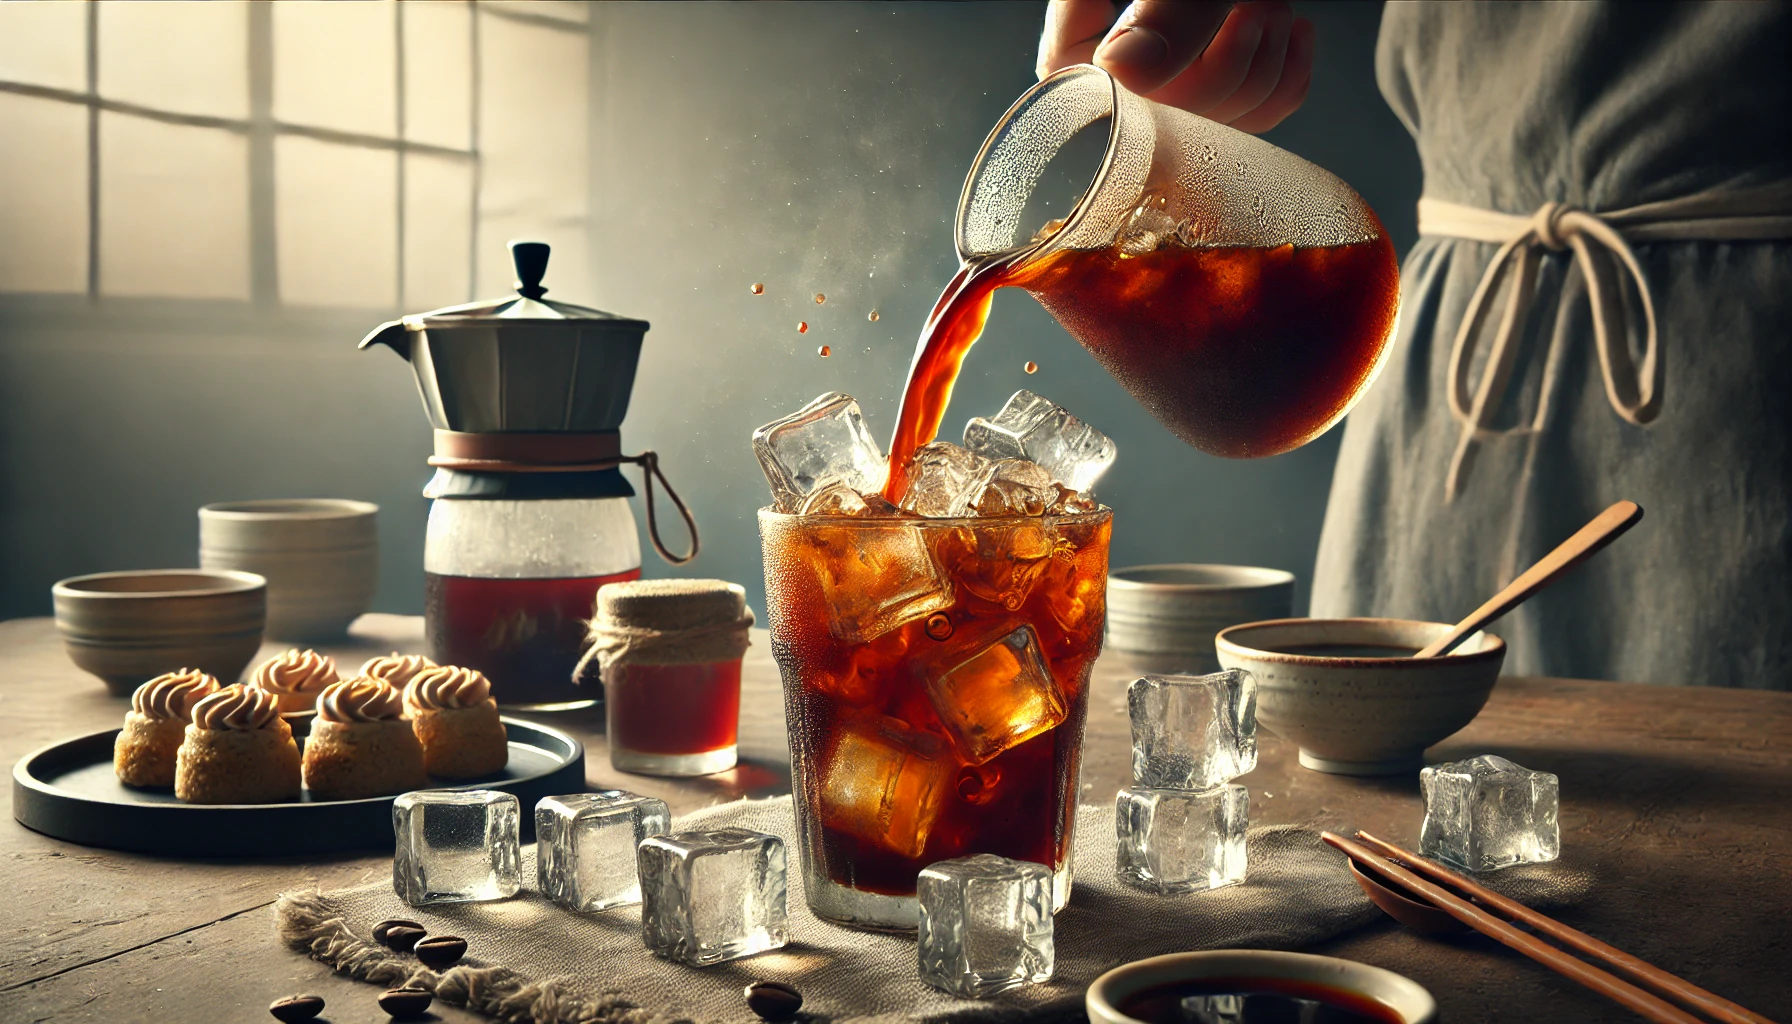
(397, 669)
(296, 672)
(236, 707)
(171, 695)
(447, 686)
(362, 699)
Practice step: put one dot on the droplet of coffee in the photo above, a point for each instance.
(824, 351)
(802, 327)
(873, 316)
(1031, 367)
(758, 289)
(939, 626)
(820, 298)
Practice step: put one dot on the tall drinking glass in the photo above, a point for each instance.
(936, 679)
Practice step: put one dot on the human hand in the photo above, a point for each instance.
(1247, 64)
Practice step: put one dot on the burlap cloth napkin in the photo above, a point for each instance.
(529, 960)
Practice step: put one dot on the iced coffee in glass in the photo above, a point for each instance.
(935, 652)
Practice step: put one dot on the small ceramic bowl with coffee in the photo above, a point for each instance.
(1350, 693)
(1255, 985)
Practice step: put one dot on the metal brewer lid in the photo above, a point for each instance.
(528, 304)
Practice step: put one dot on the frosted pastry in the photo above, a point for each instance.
(154, 727)
(296, 678)
(457, 720)
(361, 745)
(237, 750)
(396, 668)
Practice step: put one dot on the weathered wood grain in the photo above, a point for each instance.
(1674, 796)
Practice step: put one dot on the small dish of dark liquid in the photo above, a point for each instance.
(1348, 650)
(1254, 1001)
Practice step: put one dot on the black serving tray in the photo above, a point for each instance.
(68, 790)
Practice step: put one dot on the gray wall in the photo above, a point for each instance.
(815, 148)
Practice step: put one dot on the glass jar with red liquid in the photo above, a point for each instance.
(670, 653)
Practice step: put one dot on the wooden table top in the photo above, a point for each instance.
(1676, 797)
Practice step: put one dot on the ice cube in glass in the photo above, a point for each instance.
(456, 846)
(884, 782)
(822, 442)
(874, 577)
(1487, 813)
(986, 925)
(1193, 732)
(998, 697)
(712, 896)
(585, 847)
(1178, 840)
(1037, 429)
(945, 480)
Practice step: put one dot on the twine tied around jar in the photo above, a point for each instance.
(666, 622)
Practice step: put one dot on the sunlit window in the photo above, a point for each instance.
(374, 153)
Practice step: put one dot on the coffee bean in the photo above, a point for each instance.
(773, 1000)
(380, 930)
(403, 938)
(293, 1009)
(405, 1002)
(440, 951)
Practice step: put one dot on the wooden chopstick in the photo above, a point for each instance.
(1610, 986)
(1640, 971)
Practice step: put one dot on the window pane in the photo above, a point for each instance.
(532, 128)
(174, 209)
(334, 65)
(438, 80)
(438, 225)
(189, 57)
(44, 44)
(336, 218)
(43, 195)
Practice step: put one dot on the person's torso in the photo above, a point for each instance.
(1595, 104)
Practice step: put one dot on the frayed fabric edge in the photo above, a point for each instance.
(309, 923)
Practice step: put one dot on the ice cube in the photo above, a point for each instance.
(1017, 488)
(824, 441)
(999, 564)
(1035, 428)
(986, 925)
(945, 480)
(998, 697)
(585, 847)
(1192, 732)
(1240, 1008)
(707, 897)
(456, 846)
(1178, 840)
(875, 578)
(885, 782)
(1487, 813)
(834, 498)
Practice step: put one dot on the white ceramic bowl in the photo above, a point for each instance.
(320, 557)
(1403, 995)
(1362, 715)
(128, 627)
(1165, 616)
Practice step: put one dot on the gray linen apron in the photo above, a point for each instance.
(1599, 106)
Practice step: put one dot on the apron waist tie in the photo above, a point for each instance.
(1597, 239)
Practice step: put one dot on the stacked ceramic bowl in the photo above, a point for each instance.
(320, 557)
(1164, 617)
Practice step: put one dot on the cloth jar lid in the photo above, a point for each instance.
(668, 622)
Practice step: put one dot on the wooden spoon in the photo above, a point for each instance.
(1604, 529)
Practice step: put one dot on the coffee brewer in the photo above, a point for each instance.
(529, 510)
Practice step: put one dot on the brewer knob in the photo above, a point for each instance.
(531, 260)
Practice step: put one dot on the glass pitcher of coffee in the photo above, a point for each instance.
(1244, 296)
